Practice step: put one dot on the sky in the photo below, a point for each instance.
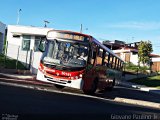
(126, 20)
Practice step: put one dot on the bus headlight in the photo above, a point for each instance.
(80, 75)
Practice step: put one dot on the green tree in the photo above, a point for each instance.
(144, 50)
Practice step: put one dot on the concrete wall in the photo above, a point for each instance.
(134, 58)
(15, 44)
(24, 30)
(2, 35)
(127, 53)
(156, 59)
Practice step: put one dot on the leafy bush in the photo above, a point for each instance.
(135, 68)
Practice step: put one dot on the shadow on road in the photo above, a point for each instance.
(128, 93)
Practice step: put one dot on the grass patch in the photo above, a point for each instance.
(10, 63)
(153, 81)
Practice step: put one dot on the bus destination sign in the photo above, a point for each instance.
(70, 36)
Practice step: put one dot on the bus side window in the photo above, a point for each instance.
(105, 58)
(111, 60)
(117, 65)
(93, 51)
(93, 57)
(99, 56)
(121, 66)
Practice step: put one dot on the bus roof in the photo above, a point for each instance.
(107, 49)
(67, 31)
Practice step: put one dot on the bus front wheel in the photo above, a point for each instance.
(93, 88)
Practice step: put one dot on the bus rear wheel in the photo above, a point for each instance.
(59, 86)
(111, 87)
(93, 88)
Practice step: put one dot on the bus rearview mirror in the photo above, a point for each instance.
(42, 46)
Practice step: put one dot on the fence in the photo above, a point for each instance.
(29, 58)
(15, 52)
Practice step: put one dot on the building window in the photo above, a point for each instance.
(36, 43)
(16, 36)
(26, 42)
(134, 53)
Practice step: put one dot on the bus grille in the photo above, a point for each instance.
(56, 76)
(57, 81)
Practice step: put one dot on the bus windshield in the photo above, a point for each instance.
(65, 53)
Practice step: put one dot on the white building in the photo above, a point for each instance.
(131, 55)
(24, 39)
(2, 35)
(128, 55)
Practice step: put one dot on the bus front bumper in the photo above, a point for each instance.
(75, 83)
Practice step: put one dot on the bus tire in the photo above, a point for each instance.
(59, 86)
(111, 87)
(93, 88)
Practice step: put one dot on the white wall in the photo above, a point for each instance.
(2, 35)
(134, 58)
(24, 30)
(28, 30)
(16, 43)
(156, 59)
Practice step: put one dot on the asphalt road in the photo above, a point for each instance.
(130, 93)
(22, 103)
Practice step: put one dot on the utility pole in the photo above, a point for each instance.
(81, 28)
(18, 13)
(45, 23)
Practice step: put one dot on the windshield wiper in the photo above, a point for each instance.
(47, 62)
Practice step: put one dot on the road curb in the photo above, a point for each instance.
(139, 87)
(157, 92)
(138, 102)
(20, 77)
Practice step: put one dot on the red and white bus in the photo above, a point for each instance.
(79, 61)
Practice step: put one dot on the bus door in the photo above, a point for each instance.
(101, 67)
(90, 75)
